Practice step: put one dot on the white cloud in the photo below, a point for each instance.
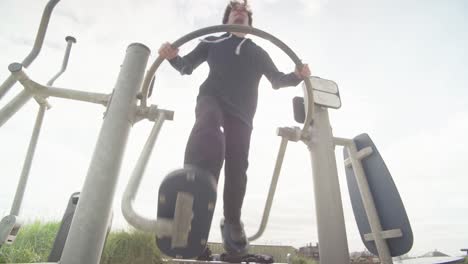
(314, 6)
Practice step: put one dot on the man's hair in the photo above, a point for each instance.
(228, 9)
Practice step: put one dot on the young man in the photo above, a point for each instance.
(225, 108)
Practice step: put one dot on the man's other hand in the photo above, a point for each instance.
(302, 72)
(166, 51)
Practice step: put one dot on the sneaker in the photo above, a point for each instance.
(234, 240)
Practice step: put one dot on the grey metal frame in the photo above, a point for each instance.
(10, 81)
(70, 40)
(89, 226)
(15, 208)
(316, 134)
(377, 233)
(128, 198)
(333, 245)
(10, 225)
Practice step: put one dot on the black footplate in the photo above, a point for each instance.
(186, 202)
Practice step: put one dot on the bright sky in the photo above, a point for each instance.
(401, 67)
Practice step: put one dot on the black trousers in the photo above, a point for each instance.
(218, 137)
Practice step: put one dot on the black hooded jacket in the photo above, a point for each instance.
(236, 66)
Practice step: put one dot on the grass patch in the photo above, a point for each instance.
(33, 243)
(135, 247)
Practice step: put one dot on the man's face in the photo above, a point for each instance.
(239, 15)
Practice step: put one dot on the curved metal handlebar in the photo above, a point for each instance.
(70, 40)
(308, 96)
(10, 81)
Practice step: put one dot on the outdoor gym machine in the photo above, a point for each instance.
(10, 224)
(88, 229)
(319, 95)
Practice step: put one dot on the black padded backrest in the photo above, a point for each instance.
(299, 109)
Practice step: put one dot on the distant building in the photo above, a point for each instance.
(310, 251)
(465, 249)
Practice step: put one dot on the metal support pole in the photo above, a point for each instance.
(15, 208)
(333, 244)
(13, 106)
(90, 222)
(271, 192)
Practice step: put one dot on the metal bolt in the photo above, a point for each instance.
(15, 67)
(70, 39)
